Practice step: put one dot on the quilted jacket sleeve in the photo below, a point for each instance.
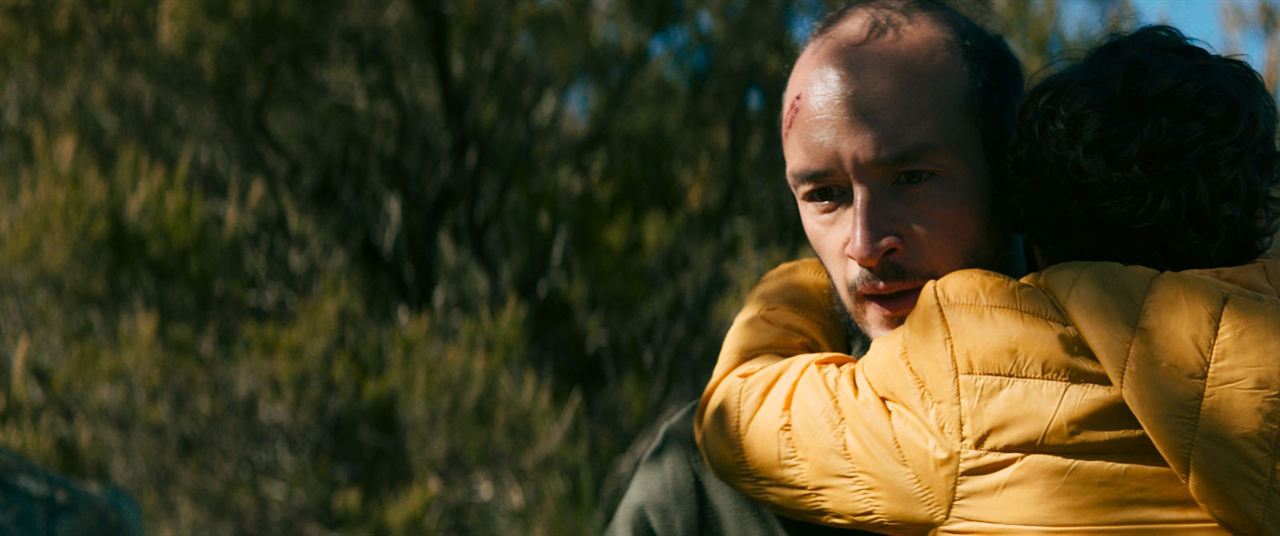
(823, 437)
(1198, 363)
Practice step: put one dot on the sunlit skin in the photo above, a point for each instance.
(885, 161)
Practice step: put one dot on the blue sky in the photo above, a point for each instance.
(1200, 19)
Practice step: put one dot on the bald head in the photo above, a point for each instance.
(872, 53)
(886, 160)
(992, 75)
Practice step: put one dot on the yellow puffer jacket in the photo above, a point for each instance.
(1091, 397)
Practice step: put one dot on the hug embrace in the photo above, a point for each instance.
(1036, 314)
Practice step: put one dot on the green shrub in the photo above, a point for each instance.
(389, 266)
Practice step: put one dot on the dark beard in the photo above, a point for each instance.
(856, 341)
(1005, 255)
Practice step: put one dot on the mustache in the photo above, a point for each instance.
(886, 272)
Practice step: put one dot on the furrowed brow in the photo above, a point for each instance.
(907, 155)
(807, 176)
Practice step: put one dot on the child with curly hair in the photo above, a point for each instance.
(1131, 385)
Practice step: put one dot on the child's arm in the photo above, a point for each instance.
(820, 436)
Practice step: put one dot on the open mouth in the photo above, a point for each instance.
(894, 303)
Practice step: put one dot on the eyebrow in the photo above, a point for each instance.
(898, 157)
(906, 155)
(808, 176)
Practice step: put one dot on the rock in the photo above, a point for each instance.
(35, 501)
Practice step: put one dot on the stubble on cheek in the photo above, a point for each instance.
(855, 339)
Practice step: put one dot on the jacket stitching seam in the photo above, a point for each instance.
(1204, 390)
(1052, 454)
(811, 496)
(915, 378)
(1053, 298)
(1059, 321)
(1043, 379)
(902, 455)
(935, 408)
(1133, 334)
(743, 468)
(955, 379)
(862, 488)
(1072, 287)
(1269, 502)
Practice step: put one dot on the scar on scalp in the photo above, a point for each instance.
(790, 117)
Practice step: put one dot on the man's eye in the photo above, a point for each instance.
(912, 177)
(825, 194)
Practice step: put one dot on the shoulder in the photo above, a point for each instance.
(991, 325)
(980, 307)
(982, 289)
(1261, 276)
(674, 492)
(661, 496)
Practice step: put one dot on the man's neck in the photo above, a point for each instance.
(1018, 262)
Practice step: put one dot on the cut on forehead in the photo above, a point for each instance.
(862, 46)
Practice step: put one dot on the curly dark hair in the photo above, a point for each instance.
(1150, 151)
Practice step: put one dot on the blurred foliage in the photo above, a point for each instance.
(1259, 19)
(388, 266)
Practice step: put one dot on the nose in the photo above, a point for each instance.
(874, 236)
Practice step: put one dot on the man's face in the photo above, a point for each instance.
(886, 164)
